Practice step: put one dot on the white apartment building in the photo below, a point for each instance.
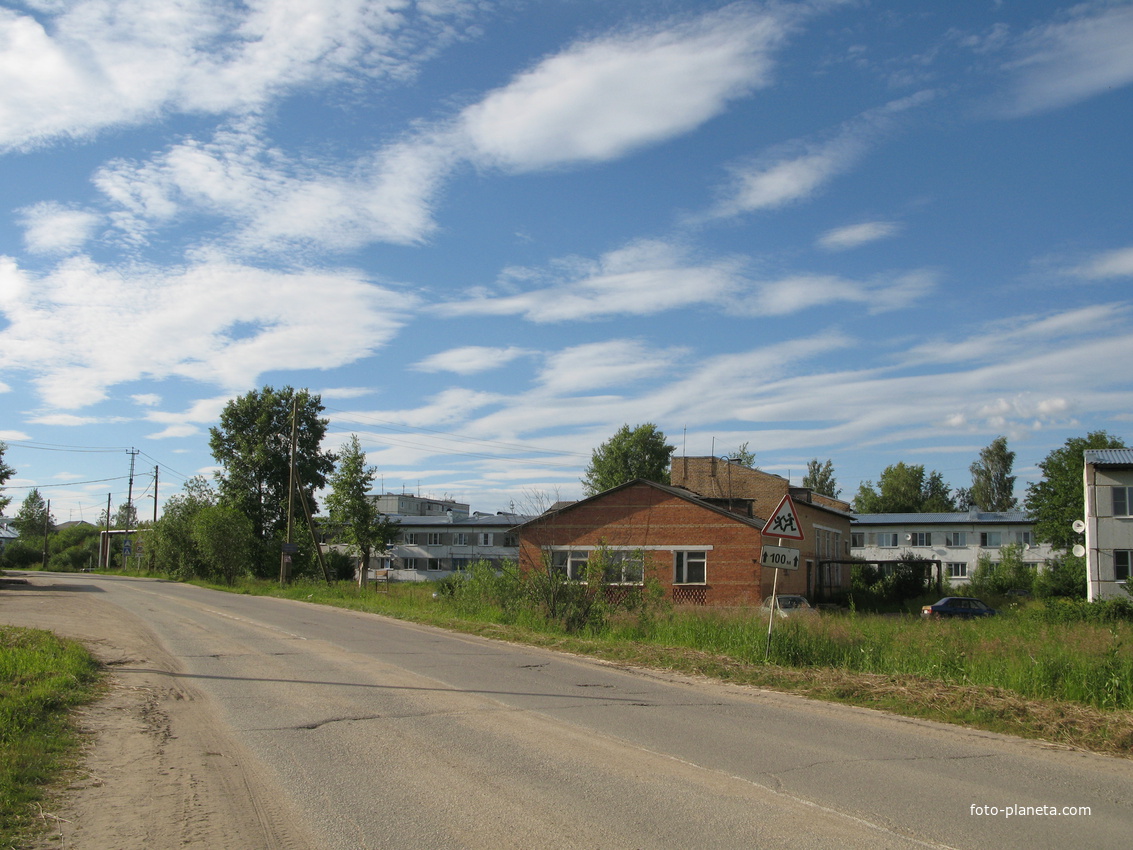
(955, 539)
(1108, 523)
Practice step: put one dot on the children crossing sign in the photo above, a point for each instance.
(784, 522)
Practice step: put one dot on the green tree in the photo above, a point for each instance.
(993, 485)
(252, 443)
(1057, 500)
(6, 472)
(33, 520)
(639, 452)
(74, 548)
(1064, 575)
(174, 548)
(225, 541)
(1010, 572)
(354, 517)
(744, 456)
(904, 488)
(820, 478)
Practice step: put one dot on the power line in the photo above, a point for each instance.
(68, 484)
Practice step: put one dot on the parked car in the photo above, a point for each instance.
(789, 605)
(958, 606)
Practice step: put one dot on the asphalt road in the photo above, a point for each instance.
(377, 733)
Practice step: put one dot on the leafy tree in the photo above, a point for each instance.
(6, 472)
(640, 452)
(1010, 572)
(225, 541)
(126, 517)
(253, 445)
(1057, 500)
(904, 488)
(173, 546)
(1065, 575)
(993, 485)
(744, 456)
(74, 548)
(354, 517)
(33, 520)
(820, 478)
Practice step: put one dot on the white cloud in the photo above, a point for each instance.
(1074, 59)
(1117, 263)
(643, 278)
(601, 98)
(470, 359)
(617, 362)
(147, 399)
(90, 64)
(53, 228)
(796, 293)
(798, 171)
(855, 235)
(213, 322)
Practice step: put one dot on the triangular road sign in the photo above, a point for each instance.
(784, 522)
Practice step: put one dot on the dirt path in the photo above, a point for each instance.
(158, 772)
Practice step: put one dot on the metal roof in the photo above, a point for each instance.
(1109, 457)
(958, 518)
(474, 521)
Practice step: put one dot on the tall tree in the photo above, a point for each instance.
(993, 485)
(6, 472)
(904, 488)
(354, 517)
(252, 443)
(1058, 499)
(174, 546)
(820, 478)
(33, 520)
(631, 453)
(223, 536)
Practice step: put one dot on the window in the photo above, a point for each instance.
(434, 538)
(461, 563)
(991, 539)
(1123, 501)
(1121, 561)
(887, 539)
(956, 538)
(857, 539)
(922, 538)
(1023, 538)
(410, 563)
(571, 565)
(957, 569)
(485, 538)
(511, 540)
(434, 563)
(624, 568)
(690, 567)
(460, 538)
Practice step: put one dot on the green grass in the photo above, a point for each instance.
(42, 677)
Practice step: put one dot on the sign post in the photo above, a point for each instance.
(783, 524)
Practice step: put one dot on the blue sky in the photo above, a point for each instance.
(491, 233)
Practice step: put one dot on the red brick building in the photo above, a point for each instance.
(704, 547)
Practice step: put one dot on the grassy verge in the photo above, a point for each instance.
(1070, 683)
(41, 678)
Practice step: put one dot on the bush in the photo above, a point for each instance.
(873, 587)
(20, 555)
(1008, 573)
(1064, 576)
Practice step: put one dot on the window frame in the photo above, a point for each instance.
(1126, 567)
(921, 539)
(957, 569)
(884, 538)
(955, 539)
(1126, 508)
(681, 563)
(986, 539)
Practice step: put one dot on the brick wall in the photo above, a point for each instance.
(642, 515)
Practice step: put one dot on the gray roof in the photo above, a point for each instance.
(959, 518)
(474, 521)
(1109, 457)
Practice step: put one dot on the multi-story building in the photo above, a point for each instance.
(956, 540)
(1108, 523)
(431, 547)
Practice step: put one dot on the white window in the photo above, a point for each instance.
(571, 565)
(1023, 538)
(887, 539)
(991, 539)
(690, 567)
(1121, 562)
(412, 538)
(459, 538)
(956, 538)
(922, 538)
(434, 538)
(1123, 501)
(485, 538)
(857, 539)
(957, 569)
(434, 563)
(624, 568)
(410, 563)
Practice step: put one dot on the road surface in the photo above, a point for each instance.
(250, 722)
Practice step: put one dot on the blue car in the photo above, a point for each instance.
(958, 606)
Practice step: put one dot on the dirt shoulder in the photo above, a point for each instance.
(158, 771)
